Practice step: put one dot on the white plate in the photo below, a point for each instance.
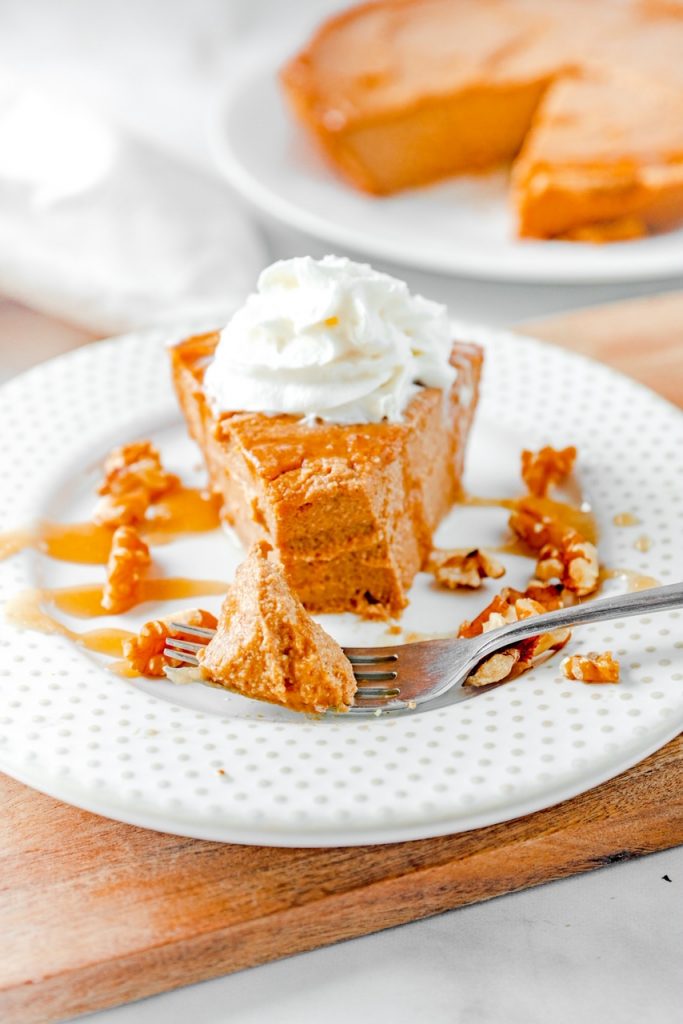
(149, 753)
(461, 226)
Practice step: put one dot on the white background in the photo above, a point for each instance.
(601, 948)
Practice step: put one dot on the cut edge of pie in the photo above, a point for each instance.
(603, 160)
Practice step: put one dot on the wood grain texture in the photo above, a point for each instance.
(97, 913)
(94, 913)
(642, 337)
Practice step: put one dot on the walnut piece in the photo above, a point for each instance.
(463, 567)
(502, 609)
(575, 565)
(128, 559)
(513, 606)
(592, 667)
(546, 468)
(145, 652)
(563, 553)
(495, 669)
(134, 478)
(537, 528)
(121, 510)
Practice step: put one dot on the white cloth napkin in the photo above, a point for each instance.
(103, 230)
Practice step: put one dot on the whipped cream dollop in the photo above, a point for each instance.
(331, 339)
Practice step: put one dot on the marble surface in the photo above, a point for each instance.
(601, 948)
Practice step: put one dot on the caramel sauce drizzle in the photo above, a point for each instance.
(512, 546)
(83, 543)
(186, 510)
(85, 601)
(26, 610)
(479, 502)
(634, 580)
(625, 519)
(580, 519)
(583, 521)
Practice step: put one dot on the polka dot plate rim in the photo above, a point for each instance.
(196, 762)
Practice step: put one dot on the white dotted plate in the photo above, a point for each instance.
(198, 762)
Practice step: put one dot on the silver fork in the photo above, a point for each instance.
(425, 675)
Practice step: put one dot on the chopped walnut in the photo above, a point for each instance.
(563, 553)
(145, 652)
(121, 510)
(513, 606)
(136, 465)
(550, 595)
(536, 528)
(495, 669)
(134, 478)
(575, 565)
(592, 668)
(463, 567)
(502, 608)
(546, 468)
(128, 558)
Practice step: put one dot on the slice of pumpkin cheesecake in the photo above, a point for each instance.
(349, 506)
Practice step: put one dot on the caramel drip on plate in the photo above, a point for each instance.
(480, 502)
(26, 611)
(580, 519)
(186, 510)
(124, 669)
(625, 519)
(513, 546)
(634, 580)
(85, 601)
(84, 543)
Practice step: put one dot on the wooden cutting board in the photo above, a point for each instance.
(94, 913)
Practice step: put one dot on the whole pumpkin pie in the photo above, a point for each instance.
(348, 496)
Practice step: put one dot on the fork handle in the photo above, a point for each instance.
(657, 599)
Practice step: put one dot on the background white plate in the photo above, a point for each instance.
(149, 753)
(463, 226)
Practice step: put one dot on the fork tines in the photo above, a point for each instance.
(176, 655)
(367, 667)
(182, 650)
(186, 650)
(202, 631)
